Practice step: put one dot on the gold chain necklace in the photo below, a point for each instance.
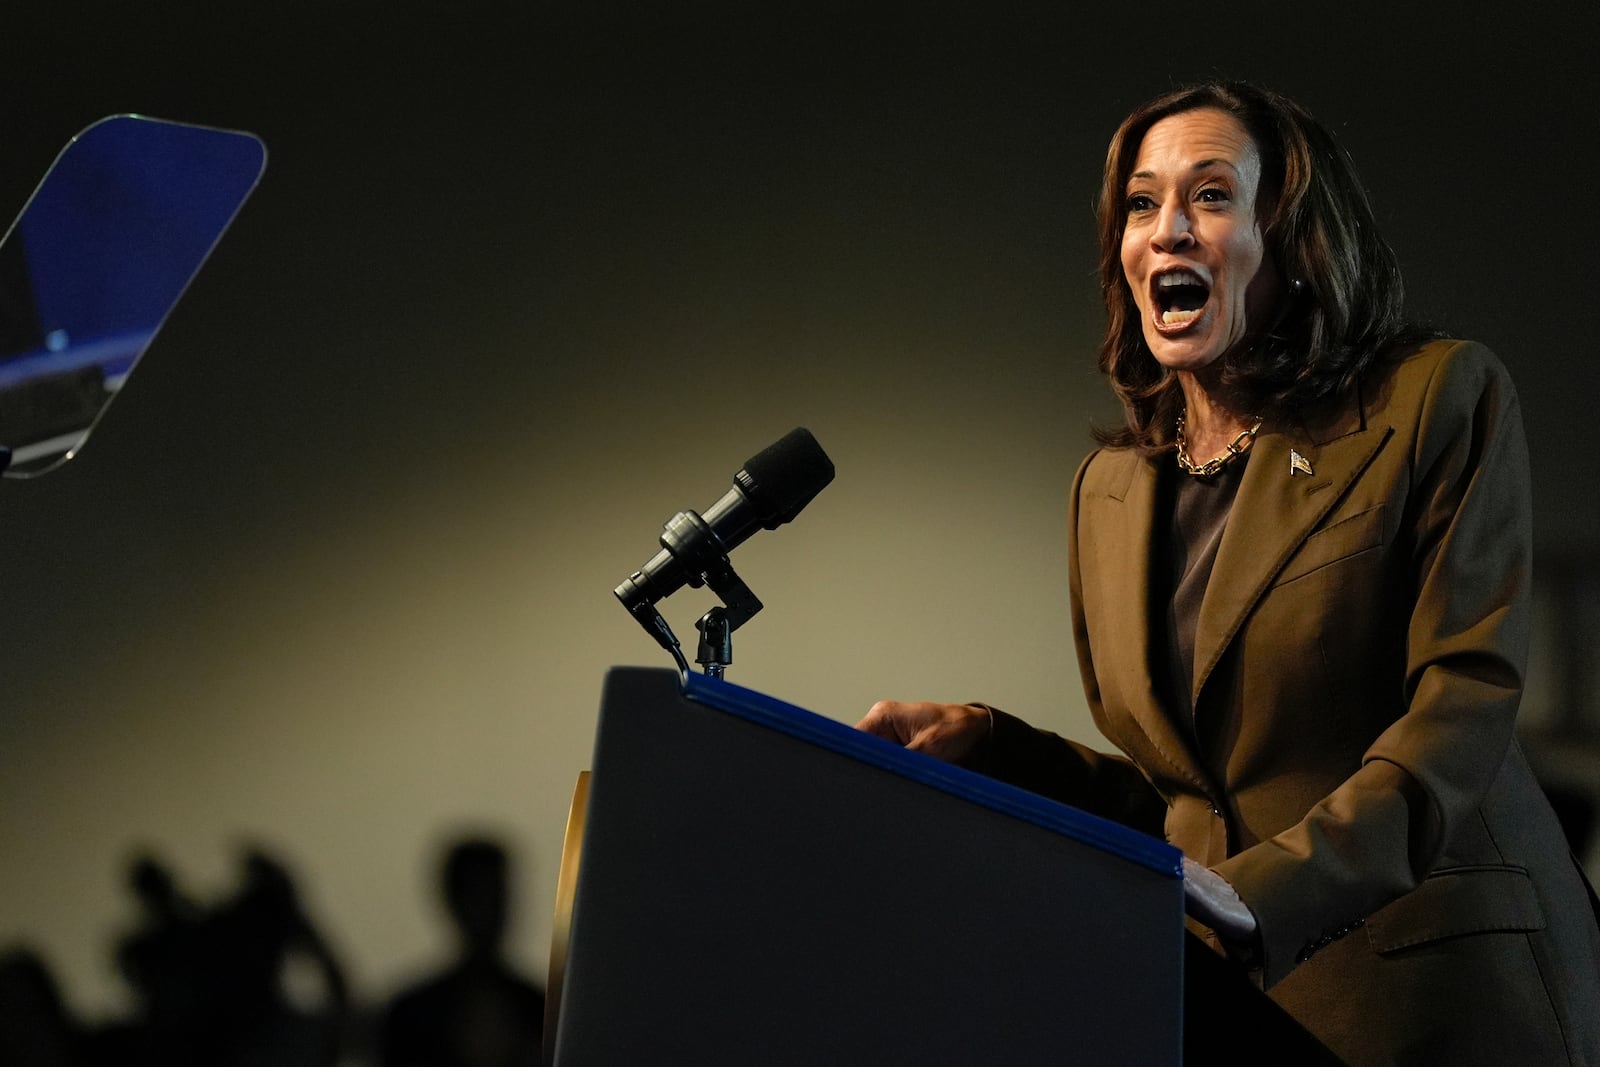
(1238, 446)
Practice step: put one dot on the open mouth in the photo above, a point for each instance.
(1180, 296)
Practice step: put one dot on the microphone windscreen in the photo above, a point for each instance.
(784, 477)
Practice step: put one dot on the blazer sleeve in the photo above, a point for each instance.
(1045, 763)
(1110, 786)
(1467, 529)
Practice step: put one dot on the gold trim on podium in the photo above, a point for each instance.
(561, 928)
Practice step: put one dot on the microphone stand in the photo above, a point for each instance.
(716, 642)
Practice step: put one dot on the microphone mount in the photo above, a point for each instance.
(695, 548)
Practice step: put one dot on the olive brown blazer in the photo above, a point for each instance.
(1351, 766)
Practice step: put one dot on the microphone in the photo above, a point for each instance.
(769, 490)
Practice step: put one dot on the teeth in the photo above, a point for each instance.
(1179, 318)
(1178, 277)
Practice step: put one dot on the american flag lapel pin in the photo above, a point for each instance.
(1297, 462)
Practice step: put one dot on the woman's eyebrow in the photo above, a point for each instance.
(1200, 165)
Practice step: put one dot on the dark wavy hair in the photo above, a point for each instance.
(1344, 298)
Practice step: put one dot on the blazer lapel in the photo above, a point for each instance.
(1125, 559)
(1278, 506)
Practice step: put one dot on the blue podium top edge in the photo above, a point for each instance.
(998, 796)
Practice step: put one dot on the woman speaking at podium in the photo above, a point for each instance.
(1300, 596)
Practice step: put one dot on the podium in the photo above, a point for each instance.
(761, 885)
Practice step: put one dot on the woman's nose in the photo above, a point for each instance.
(1172, 230)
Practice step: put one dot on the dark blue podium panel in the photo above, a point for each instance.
(761, 885)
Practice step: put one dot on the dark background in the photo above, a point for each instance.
(523, 280)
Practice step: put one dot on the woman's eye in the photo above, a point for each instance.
(1212, 195)
(1139, 202)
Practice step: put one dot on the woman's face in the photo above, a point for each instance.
(1192, 249)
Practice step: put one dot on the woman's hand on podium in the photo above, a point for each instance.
(951, 732)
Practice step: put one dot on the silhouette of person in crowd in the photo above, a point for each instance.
(478, 1013)
(161, 959)
(209, 984)
(36, 1030)
(255, 935)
